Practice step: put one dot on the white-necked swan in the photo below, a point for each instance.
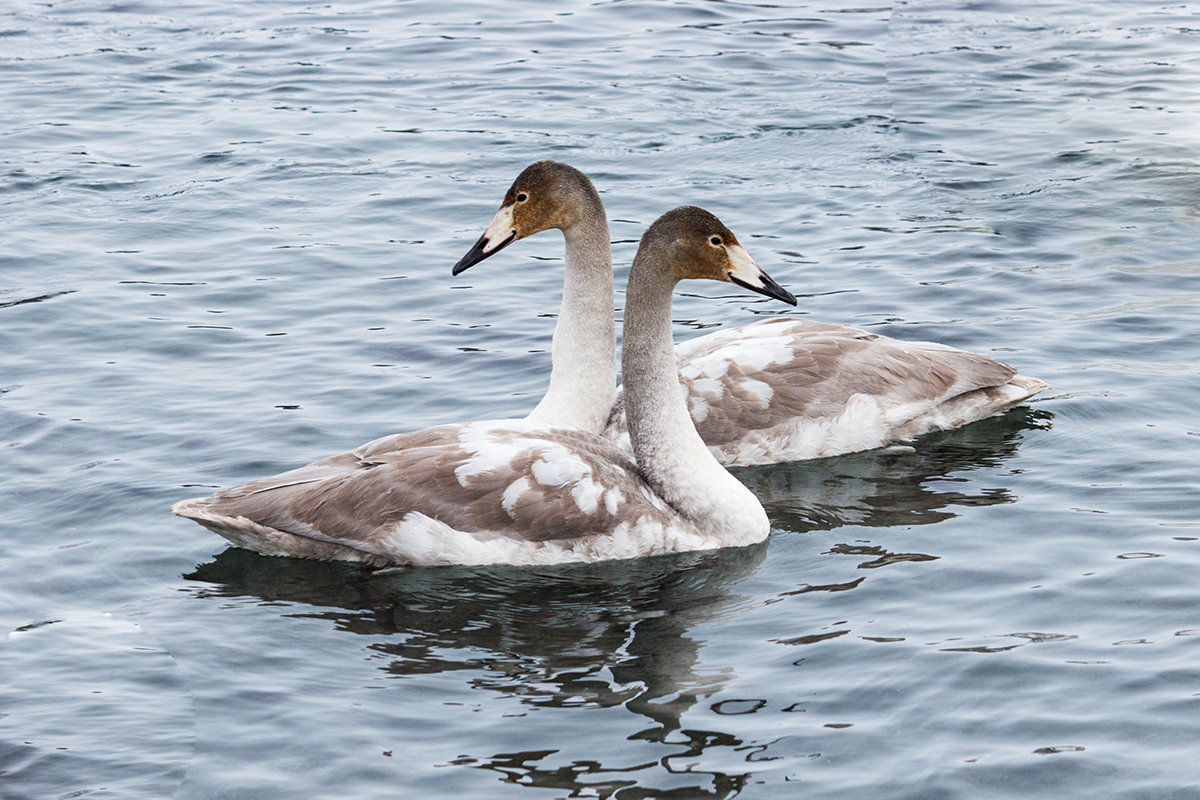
(781, 389)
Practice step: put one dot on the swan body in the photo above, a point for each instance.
(789, 389)
(490, 492)
(782, 389)
(528, 491)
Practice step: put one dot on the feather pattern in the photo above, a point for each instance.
(788, 388)
(508, 489)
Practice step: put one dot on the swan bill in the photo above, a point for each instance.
(745, 272)
(767, 286)
(480, 251)
(500, 233)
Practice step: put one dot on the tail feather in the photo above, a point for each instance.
(248, 534)
(974, 405)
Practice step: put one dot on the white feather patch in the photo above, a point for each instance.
(762, 391)
(492, 445)
(714, 365)
(513, 493)
(759, 352)
(613, 499)
(586, 494)
(558, 466)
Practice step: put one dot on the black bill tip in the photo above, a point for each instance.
(770, 288)
(477, 254)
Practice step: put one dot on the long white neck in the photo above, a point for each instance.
(670, 453)
(583, 378)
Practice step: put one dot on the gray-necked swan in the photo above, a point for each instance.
(529, 491)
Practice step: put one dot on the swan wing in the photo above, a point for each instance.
(465, 493)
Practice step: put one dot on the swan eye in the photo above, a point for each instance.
(522, 197)
(715, 241)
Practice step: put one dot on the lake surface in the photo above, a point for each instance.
(226, 233)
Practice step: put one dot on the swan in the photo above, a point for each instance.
(528, 491)
(781, 389)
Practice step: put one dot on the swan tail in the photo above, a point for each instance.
(251, 535)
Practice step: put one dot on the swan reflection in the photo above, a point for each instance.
(597, 636)
(912, 485)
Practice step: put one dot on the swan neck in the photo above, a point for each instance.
(583, 376)
(655, 409)
(670, 453)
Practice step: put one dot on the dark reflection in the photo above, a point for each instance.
(600, 636)
(38, 299)
(620, 634)
(900, 486)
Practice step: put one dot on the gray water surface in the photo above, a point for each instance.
(226, 231)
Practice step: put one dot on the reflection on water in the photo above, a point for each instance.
(620, 634)
(593, 636)
(541, 634)
(896, 486)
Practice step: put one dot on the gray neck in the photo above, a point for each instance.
(583, 377)
(669, 452)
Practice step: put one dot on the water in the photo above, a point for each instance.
(225, 250)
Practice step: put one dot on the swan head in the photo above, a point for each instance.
(693, 243)
(547, 194)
